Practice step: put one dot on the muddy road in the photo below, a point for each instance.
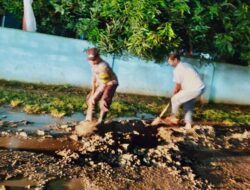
(123, 154)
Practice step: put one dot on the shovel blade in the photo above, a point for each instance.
(156, 121)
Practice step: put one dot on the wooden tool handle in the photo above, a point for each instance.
(164, 110)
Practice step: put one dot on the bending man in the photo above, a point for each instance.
(104, 84)
(188, 86)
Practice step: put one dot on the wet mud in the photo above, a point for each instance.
(123, 154)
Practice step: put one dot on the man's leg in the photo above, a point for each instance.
(188, 110)
(106, 101)
(90, 112)
(91, 101)
(177, 100)
(181, 97)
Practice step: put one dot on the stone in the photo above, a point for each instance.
(86, 128)
(40, 132)
(73, 137)
(64, 126)
(125, 146)
(135, 132)
(23, 134)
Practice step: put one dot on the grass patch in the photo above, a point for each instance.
(61, 100)
(227, 114)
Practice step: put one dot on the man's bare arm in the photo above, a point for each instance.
(177, 88)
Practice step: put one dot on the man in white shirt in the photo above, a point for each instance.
(188, 86)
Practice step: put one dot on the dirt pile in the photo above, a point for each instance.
(133, 147)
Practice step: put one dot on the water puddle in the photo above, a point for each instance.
(36, 121)
(139, 116)
(43, 120)
(36, 144)
(60, 184)
(18, 184)
(73, 184)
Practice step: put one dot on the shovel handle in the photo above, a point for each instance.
(164, 110)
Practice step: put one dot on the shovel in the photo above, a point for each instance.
(157, 120)
(86, 128)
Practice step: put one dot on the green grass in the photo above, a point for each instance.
(228, 114)
(61, 100)
(64, 100)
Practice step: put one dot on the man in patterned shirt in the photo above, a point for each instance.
(104, 84)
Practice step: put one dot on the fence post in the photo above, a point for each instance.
(3, 21)
(113, 61)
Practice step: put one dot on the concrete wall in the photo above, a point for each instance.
(40, 58)
(231, 84)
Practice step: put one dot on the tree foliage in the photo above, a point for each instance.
(149, 29)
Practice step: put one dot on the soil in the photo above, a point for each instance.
(124, 154)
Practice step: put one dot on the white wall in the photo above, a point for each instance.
(231, 84)
(40, 58)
